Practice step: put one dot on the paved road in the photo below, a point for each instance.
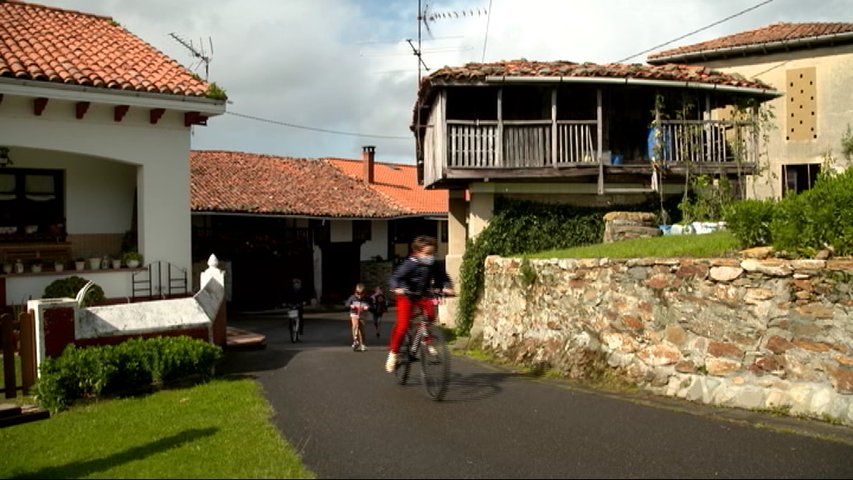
(349, 419)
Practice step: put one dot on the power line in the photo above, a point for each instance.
(486, 37)
(314, 129)
(765, 2)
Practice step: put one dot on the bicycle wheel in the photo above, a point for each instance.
(294, 329)
(435, 361)
(404, 361)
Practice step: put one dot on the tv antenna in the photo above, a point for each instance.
(198, 53)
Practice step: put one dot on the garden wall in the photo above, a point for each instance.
(749, 333)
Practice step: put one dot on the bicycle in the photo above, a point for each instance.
(293, 321)
(424, 343)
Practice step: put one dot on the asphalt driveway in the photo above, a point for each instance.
(349, 419)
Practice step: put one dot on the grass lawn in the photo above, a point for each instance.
(717, 244)
(216, 430)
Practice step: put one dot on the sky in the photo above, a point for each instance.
(346, 65)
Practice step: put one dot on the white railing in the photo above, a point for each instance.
(707, 141)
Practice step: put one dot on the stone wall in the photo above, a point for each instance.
(628, 225)
(749, 333)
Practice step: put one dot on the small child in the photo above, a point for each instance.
(380, 306)
(358, 303)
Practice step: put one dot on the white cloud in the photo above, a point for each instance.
(345, 65)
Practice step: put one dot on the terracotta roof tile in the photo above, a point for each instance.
(54, 45)
(778, 32)
(474, 72)
(254, 183)
(477, 72)
(398, 182)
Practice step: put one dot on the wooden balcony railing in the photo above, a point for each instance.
(710, 141)
(525, 143)
(530, 143)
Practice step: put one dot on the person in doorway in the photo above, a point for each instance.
(358, 304)
(295, 296)
(379, 305)
(414, 282)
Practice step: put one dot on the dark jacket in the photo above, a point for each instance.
(419, 278)
(295, 297)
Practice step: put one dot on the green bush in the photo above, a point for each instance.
(130, 367)
(69, 286)
(749, 221)
(520, 226)
(706, 200)
(817, 218)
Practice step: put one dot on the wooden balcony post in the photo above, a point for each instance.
(554, 127)
(500, 142)
(599, 119)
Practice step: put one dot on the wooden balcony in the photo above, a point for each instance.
(571, 148)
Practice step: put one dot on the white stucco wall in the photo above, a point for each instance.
(340, 231)
(378, 243)
(105, 160)
(834, 74)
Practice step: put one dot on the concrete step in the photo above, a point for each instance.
(8, 410)
(25, 414)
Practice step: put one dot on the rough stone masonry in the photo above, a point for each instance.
(749, 333)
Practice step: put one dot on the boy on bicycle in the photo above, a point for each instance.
(414, 282)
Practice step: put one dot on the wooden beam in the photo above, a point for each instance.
(80, 109)
(156, 114)
(194, 118)
(119, 112)
(38, 105)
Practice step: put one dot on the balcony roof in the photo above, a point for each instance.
(527, 71)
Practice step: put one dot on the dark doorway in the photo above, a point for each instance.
(341, 270)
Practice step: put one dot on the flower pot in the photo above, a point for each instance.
(80, 265)
(94, 263)
(7, 268)
(116, 263)
(132, 263)
(35, 268)
(59, 266)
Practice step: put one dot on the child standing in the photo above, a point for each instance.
(380, 306)
(358, 303)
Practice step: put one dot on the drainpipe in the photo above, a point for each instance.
(368, 154)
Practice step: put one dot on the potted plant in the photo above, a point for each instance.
(59, 264)
(80, 264)
(94, 263)
(7, 267)
(116, 263)
(35, 266)
(132, 258)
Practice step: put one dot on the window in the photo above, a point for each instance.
(32, 205)
(361, 230)
(799, 178)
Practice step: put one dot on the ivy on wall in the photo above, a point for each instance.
(521, 226)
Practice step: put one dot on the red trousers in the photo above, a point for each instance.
(405, 309)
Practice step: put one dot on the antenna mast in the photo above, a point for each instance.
(197, 53)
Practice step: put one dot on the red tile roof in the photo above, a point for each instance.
(785, 33)
(253, 183)
(63, 46)
(398, 182)
(478, 72)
